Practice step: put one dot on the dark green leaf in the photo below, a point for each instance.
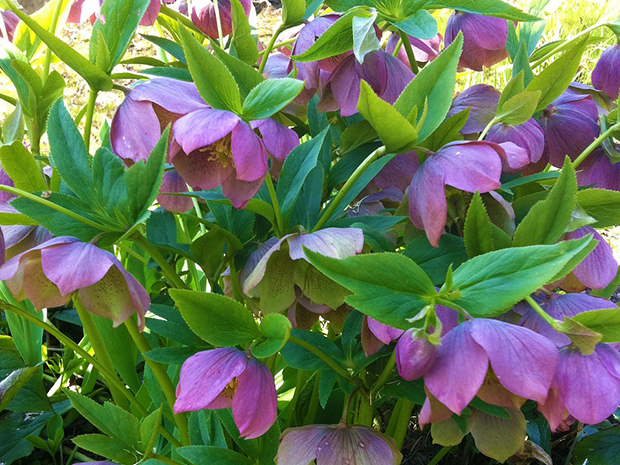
(271, 96)
(12, 384)
(168, 45)
(244, 75)
(421, 25)
(301, 359)
(170, 355)
(478, 236)
(435, 261)
(602, 448)
(209, 455)
(14, 428)
(106, 446)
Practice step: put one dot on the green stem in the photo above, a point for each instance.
(544, 315)
(269, 48)
(234, 280)
(399, 44)
(440, 455)
(391, 427)
(166, 268)
(218, 22)
(323, 356)
(314, 401)
(487, 129)
(161, 375)
(53, 26)
(333, 205)
(101, 351)
(279, 226)
(302, 377)
(567, 44)
(110, 376)
(284, 43)
(365, 411)
(404, 416)
(385, 374)
(53, 206)
(90, 113)
(410, 55)
(598, 141)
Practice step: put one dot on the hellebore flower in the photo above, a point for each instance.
(528, 136)
(336, 444)
(224, 378)
(484, 39)
(10, 21)
(387, 76)
(148, 108)
(50, 273)
(173, 183)
(606, 74)
(598, 171)
(81, 10)
(204, 17)
(275, 270)
(570, 124)
(375, 335)
(523, 361)
(423, 50)
(398, 172)
(482, 101)
(469, 166)
(415, 355)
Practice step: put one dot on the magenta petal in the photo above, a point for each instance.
(202, 128)
(248, 154)
(356, 445)
(459, 370)
(240, 192)
(278, 139)
(428, 208)
(178, 97)
(384, 333)
(513, 156)
(470, 166)
(151, 13)
(599, 268)
(523, 361)
(135, 130)
(256, 269)
(414, 356)
(255, 401)
(75, 266)
(528, 135)
(298, 445)
(606, 74)
(398, 172)
(345, 86)
(332, 242)
(206, 374)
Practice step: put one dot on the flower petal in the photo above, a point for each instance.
(278, 139)
(255, 401)
(332, 242)
(248, 154)
(600, 267)
(202, 128)
(298, 445)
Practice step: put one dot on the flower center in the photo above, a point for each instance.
(230, 388)
(220, 151)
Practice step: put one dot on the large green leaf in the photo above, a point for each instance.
(293, 12)
(606, 322)
(601, 204)
(387, 287)
(432, 87)
(275, 330)
(421, 25)
(518, 109)
(477, 234)
(271, 96)
(244, 75)
(209, 455)
(602, 448)
(21, 167)
(242, 39)
(491, 283)
(483, 7)
(215, 318)
(435, 261)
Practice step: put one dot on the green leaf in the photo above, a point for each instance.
(387, 287)
(106, 446)
(555, 78)
(170, 355)
(421, 25)
(602, 448)
(478, 236)
(395, 131)
(521, 64)
(301, 359)
(435, 83)
(583, 337)
(213, 80)
(215, 318)
(435, 261)
(68, 152)
(495, 8)
(14, 428)
(275, 329)
(606, 322)
(21, 167)
(496, 437)
(242, 39)
(209, 455)
(510, 275)
(149, 429)
(514, 87)
(15, 219)
(271, 96)
(168, 45)
(293, 12)
(518, 109)
(96, 78)
(13, 126)
(121, 22)
(12, 384)
(548, 219)
(364, 36)
(244, 75)
(601, 204)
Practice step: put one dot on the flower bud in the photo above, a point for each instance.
(414, 355)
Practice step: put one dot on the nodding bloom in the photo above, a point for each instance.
(81, 10)
(387, 76)
(204, 17)
(523, 362)
(336, 444)
(598, 171)
(469, 166)
(482, 101)
(51, 273)
(570, 124)
(484, 39)
(375, 335)
(225, 378)
(10, 20)
(415, 355)
(172, 183)
(528, 136)
(606, 74)
(424, 50)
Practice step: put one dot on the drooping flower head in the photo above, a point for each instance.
(204, 17)
(424, 50)
(598, 171)
(606, 73)
(482, 101)
(336, 444)
(172, 183)
(225, 378)
(484, 39)
(50, 273)
(528, 136)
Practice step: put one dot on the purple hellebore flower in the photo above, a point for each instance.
(482, 101)
(570, 124)
(528, 136)
(598, 171)
(484, 39)
(49, 273)
(415, 355)
(523, 361)
(606, 74)
(466, 165)
(81, 10)
(387, 76)
(336, 444)
(423, 50)
(173, 183)
(398, 172)
(10, 20)
(224, 378)
(600, 267)
(204, 17)
(375, 335)
(148, 108)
